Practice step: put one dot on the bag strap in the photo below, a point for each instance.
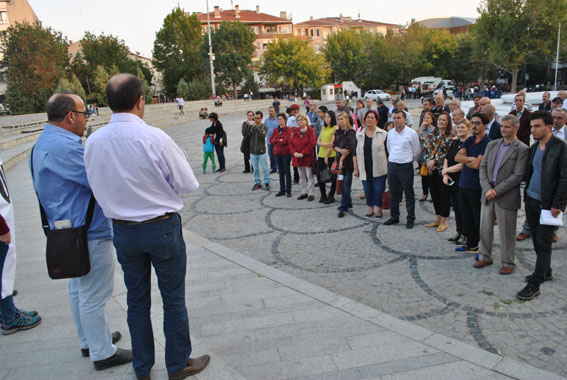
(44, 222)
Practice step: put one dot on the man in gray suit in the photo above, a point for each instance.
(502, 169)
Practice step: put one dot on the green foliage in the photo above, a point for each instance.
(98, 87)
(509, 32)
(176, 50)
(182, 89)
(110, 53)
(252, 85)
(194, 90)
(293, 63)
(233, 45)
(71, 84)
(346, 53)
(35, 59)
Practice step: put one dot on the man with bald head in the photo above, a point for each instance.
(493, 128)
(60, 181)
(137, 174)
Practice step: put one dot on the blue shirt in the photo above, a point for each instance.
(313, 117)
(469, 177)
(534, 189)
(271, 124)
(60, 181)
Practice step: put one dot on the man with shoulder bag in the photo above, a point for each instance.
(64, 194)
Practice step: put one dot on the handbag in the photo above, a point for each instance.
(67, 249)
(325, 175)
(386, 200)
(245, 144)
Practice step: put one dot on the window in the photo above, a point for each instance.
(318, 32)
(317, 48)
(255, 29)
(270, 29)
(264, 46)
(311, 32)
(3, 17)
(323, 92)
(306, 32)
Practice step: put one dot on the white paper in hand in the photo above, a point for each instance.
(547, 219)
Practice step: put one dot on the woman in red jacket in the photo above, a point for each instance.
(279, 140)
(302, 146)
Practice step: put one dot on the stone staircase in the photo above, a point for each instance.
(19, 133)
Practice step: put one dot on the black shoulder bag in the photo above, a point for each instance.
(67, 249)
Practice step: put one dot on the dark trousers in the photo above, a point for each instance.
(346, 199)
(455, 201)
(220, 154)
(295, 174)
(246, 161)
(7, 308)
(321, 165)
(439, 194)
(138, 247)
(541, 238)
(470, 203)
(400, 179)
(273, 164)
(424, 185)
(284, 171)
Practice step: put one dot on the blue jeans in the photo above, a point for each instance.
(88, 296)
(273, 162)
(263, 160)
(373, 188)
(138, 247)
(346, 200)
(285, 172)
(7, 308)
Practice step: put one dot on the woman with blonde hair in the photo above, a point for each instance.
(302, 148)
(452, 172)
(344, 141)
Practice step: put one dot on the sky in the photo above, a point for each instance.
(136, 22)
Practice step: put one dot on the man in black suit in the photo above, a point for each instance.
(382, 112)
(493, 128)
(546, 102)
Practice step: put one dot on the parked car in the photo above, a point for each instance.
(375, 94)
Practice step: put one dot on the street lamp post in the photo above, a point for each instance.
(557, 57)
(211, 55)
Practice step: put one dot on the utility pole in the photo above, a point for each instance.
(211, 56)
(557, 56)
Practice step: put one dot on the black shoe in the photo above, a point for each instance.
(295, 181)
(341, 214)
(280, 193)
(548, 277)
(409, 224)
(302, 196)
(455, 238)
(266, 186)
(246, 171)
(528, 293)
(273, 171)
(322, 199)
(329, 201)
(391, 221)
(311, 198)
(120, 357)
(288, 194)
(116, 336)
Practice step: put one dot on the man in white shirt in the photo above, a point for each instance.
(137, 173)
(559, 117)
(403, 146)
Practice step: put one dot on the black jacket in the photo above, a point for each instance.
(219, 134)
(495, 132)
(553, 174)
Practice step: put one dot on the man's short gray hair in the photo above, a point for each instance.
(513, 118)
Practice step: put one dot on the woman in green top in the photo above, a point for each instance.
(324, 142)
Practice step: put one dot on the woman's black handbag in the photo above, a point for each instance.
(325, 175)
(67, 249)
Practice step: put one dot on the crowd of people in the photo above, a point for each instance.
(472, 164)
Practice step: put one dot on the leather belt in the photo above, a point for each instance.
(156, 219)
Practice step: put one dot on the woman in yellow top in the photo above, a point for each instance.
(324, 142)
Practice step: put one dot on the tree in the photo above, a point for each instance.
(346, 54)
(509, 32)
(35, 59)
(294, 63)
(106, 51)
(71, 84)
(177, 49)
(98, 86)
(182, 89)
(233, 45)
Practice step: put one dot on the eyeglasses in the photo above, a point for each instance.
(476, 122)
(87, 114)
